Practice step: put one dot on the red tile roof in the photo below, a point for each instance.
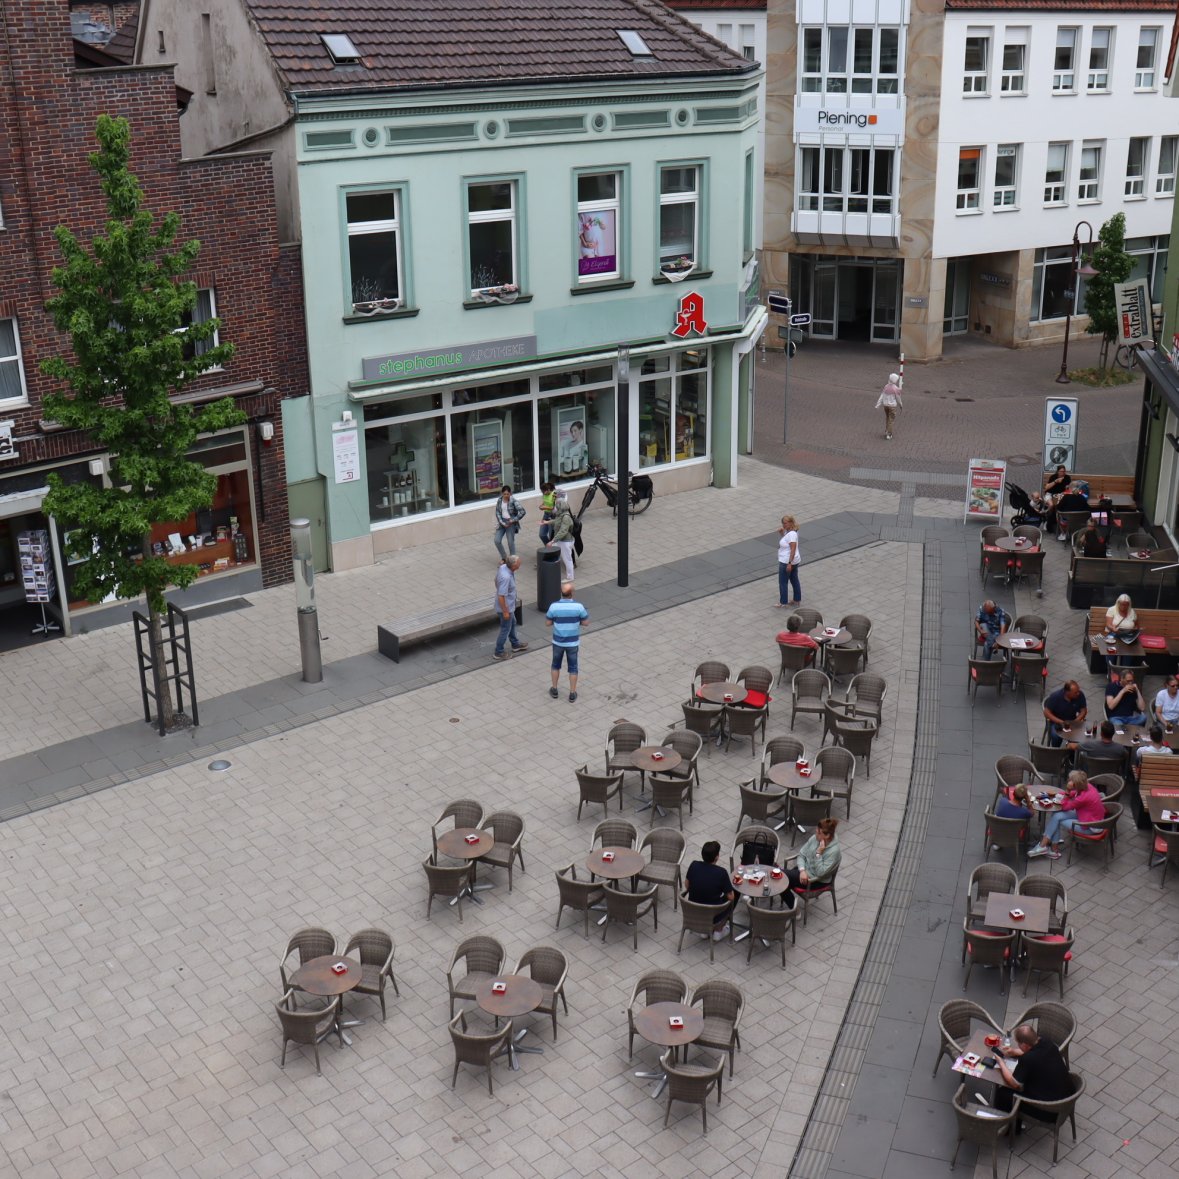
(719, 5)
(1110, 6)
(435, 42)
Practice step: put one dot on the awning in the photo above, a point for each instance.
(1162, 376)
(21, 503)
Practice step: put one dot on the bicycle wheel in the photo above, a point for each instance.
(637, 505)
(587, 499)
(1126, 357)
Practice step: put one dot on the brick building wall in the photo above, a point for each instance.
(47, 116)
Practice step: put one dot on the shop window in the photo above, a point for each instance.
(1099, 55)
(1149, 255)
(1013, 76)
(969, 179)
(406, 465)
(673, 408)
(492, 235)
(1056, 175)
(679, 217)
(1089, 179)
(1064, 62)
(1057, 290)
(1144, 66)
(1137, 154)
(1006, 176)
(976, 62)
(574, 430)
(374, 250)
(491, 447)
(12, 371)
(204, 310)
(1164, 181)
(598, 226)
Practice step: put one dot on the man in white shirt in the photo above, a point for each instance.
(1166, 703)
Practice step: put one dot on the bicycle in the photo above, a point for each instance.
(1126, 355)
(642, 491)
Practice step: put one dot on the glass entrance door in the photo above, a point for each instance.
(823, 299)
(956, 318)
(886, 298)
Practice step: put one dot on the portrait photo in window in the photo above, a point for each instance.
(597, 243)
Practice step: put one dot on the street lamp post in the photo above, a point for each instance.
(1062, 378)
(622, 504)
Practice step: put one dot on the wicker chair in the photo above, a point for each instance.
(692, 1082)
(833, 710)
(448, 880)
(376, 951)
(549, 967)
(482, 957)
(1053, 1021)
(701, 920)
(1032, 624)
(745, 722)
(689, 746)
(794, 657)
(808, 618)
(815, 889)
(655, 986)
(808, 812)
(982, 1128)
(1097, 834)
(765, 836)
(838, 774)
(763, 805)
(666, 863)
(808, 693)
(984, 880)
(1028, 532)
(1097, 766)
(1013, 770)
(598, 788)
(987, 949)
(1040, 884)
(466, 812)
(705, 719)
(622, 740)
(842, 661)
(722, 1003)
(1137, 542)
(770, 925)
(508, 829)
(985, 673)
(857, 737)
(1059, 1112)
(1050, 761)
(309, 1026)
(776, 751)
(859, 626)
(310, 943)
(1000, 833)
(1164, 838)
(1047, 954)
(1070, 522)
(478, 1048)
(627, 907)
(578, 895)
(614, 833)
(711, 671)
(670, 794)
(757, 681)
(865, 696)
(1029, 671)
(953, 1021)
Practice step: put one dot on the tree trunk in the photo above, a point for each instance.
(1103, 355)
(166, 709)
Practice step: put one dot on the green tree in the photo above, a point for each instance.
(127, 310)
(1113, 265)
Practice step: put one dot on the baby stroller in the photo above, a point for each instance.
(1022, 508)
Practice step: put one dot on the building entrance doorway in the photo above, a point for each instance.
(848, 298)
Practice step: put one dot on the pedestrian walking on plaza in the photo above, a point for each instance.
(505, 607)
(566, 617)
(508, 514)
(789, 559)
(890, 401)
(564, 532)
(548, 500)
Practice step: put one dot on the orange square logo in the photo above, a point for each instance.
(871, 120)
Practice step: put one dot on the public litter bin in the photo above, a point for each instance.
(548, 578)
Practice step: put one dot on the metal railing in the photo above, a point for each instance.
(177, 667)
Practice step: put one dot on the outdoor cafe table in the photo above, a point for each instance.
(316, 977)
(654, 759)
(1018, 640)
(454, 844)
(978, 1045)
(626, 863)
(821, 634)
(756, 890)
(652, 1024)
(1122, 501)
(1134, 736)
(1037, 912)
(1015, 544)
(1122, 649)
(522, 996)
(1158, 801)
(786, 775)
(722, 692)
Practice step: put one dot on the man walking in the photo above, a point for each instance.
(566, 617)
(890, 401)
(505, 607)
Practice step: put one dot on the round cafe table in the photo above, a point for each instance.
(786, 775)
(317, 978)
(522, 996)
(842, 635)
(1018, 640)
(645, 758)
(1016, 544)
(454, 844)
(722, 692)
(765, 889)
(626, 863)
(651, 1023)
(1140, 555)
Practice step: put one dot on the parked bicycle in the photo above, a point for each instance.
(642, 491)
(1126, 355)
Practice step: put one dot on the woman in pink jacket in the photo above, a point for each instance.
(1082, 805)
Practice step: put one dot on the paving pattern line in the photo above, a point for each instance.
(813, 1156)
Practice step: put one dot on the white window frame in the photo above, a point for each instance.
(1089, 187)
(603, 205)
(666, 200)
(1064, 77)
(488, 216)
(969, 199)
(1056, 191)
(1144, 72)
(22, 398)
(200, 347)
(836, 162)
(1136, 170)
(747, 41)
(1097, 76)
(385, 225)
(827, 80)
(1005, 197)
(976, 81)
(1164, 179)
(1014, 81)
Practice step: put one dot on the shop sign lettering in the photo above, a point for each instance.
(431, 361)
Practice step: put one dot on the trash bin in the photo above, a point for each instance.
(548, 578)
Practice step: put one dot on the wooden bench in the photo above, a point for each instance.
(1164, 623)
(1158, 773)
(414, 628)
(1110, 484)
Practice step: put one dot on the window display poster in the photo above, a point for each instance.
(597, 238)
(487, 444)
(346, 452)
(985, 479)
(571, 447)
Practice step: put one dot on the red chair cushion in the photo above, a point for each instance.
(970, 948)
(974, 673)
(1092, 836)
(1160, 845)
(1153, 642)
(757, 700)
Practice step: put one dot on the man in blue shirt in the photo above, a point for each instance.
(990, 622)
(566, 617)
(505, 608)
(1065, 708)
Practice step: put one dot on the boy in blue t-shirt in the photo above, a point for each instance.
(566, 617)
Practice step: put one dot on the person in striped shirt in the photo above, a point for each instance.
(566, 617)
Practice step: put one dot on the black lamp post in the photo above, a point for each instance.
(1062, 378)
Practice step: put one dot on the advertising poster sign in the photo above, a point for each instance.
(487, 444)
(985, 480)
(346, 452)
(1132, 300)
(597, 236)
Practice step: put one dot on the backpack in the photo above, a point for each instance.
(578, 545)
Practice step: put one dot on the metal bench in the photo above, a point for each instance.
(414, 628)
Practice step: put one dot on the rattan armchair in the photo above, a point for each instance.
(768, 839)
(1013, 770)
(482, 958)
(549, 967)
(669, 794)
(705, 719)
(987, 949)
(666, 863)
(598, 789)
(985, 673)
(815, 889)
(310, 943)
(702, 920)
(625, 908)
(1050, 761)
(837, 769)
(953, 1022)
(984, 880)
(982, 1126)
(1040, 884)
(1047, 954)
(621, 742)
(859, 626)
(478, 1048)
(508, 829)
(722, 1003)
(741, 721)
(808, 812)
(655, 986)
(808, 693)
(856, 737)
(465, 812)
(614, 833)
(711, 671)
(764, 806)
(1001, 832)
(1055, 1113)
(447, 880)
(757, 681)
(308, 1026)
(1053, 1021)
(375, 950)
(776, 751)
(839, 662)
(692, 1082)
(834, 711)
(1096, 834)
(770, 925)
(689, 746)
(865, 696)
(578, 895)
(808, 618)
(794, 657)
(1168, 839)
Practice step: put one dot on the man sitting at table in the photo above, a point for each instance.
(1166, 703)
(1093, 543)
(989, 623)
(1156, 746)
(1065, 706)
(1123, 700)
(1103, 745)
(794, 636)
(709, 884)
(1084, 800)
(1040, 1073)
(1073, 500)
(1015, 802)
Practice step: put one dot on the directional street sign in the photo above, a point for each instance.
(778, 303)
(801, 320)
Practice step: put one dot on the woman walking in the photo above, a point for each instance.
(789, 559)
(508, 514)
(563, 532)
(890, 401)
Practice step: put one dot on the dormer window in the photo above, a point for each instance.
(340, 46)
(635, 43)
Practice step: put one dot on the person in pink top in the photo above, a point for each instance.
(1082, 805)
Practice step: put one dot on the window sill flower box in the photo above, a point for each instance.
(677, 270)
(376, 306)
(508, 293)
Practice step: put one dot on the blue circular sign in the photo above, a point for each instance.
(1061, 413)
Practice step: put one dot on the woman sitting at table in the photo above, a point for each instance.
(1123, 699)
(1014, 803)
(1121, 615)
(818, 857)
(1057, 482)
(1080, 806)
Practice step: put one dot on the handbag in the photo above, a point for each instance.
(578, 546)
(757, 851)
